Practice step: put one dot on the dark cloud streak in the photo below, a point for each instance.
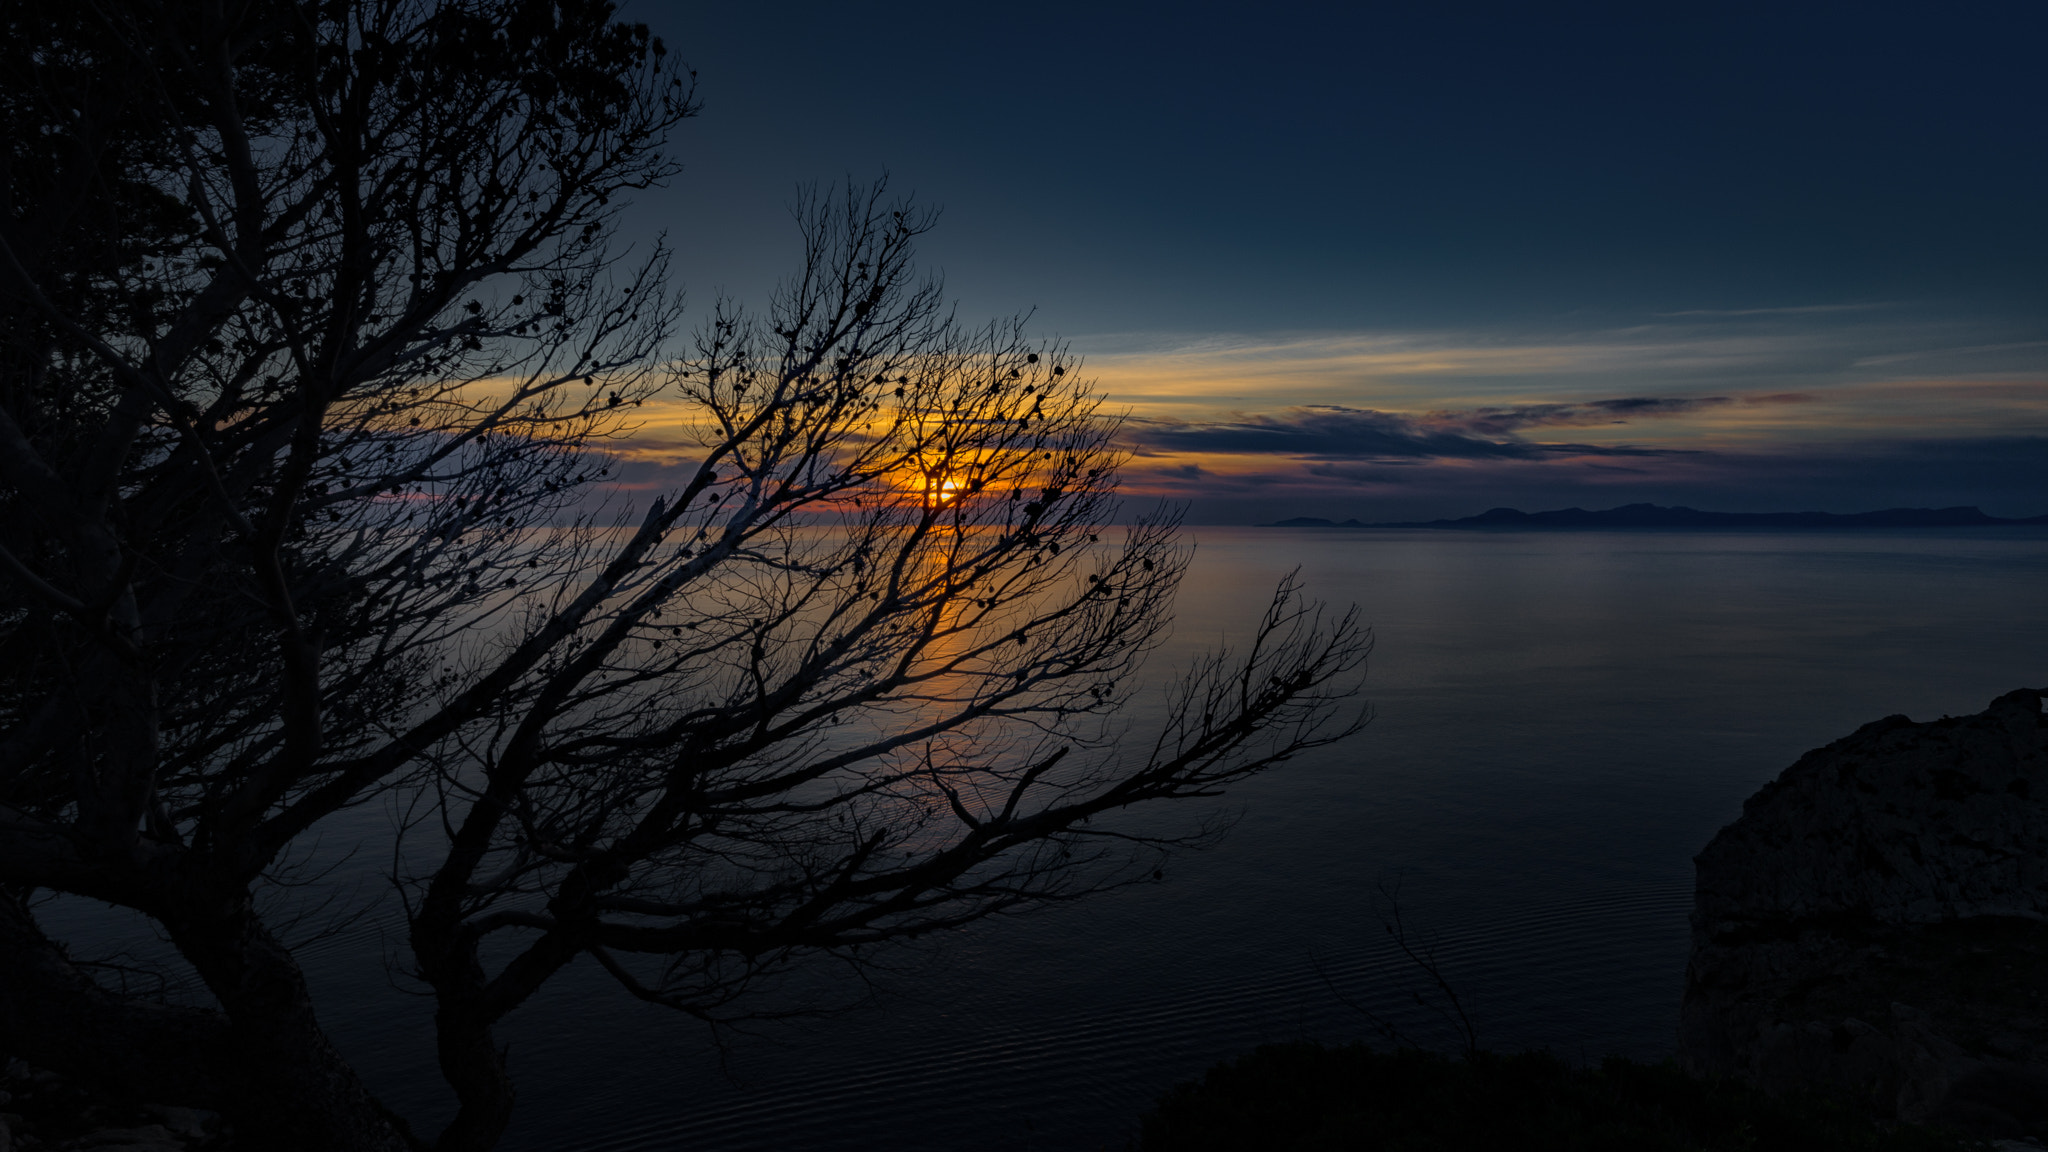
(2002, 475)
(1335, 432)
(1506, 420)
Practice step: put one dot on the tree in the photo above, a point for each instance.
(315, 335)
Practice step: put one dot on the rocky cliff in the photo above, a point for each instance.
(1876, 924)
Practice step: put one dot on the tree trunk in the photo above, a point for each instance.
(56, 1016)
(294, 1090)
(470, 1007)
(475, 1067)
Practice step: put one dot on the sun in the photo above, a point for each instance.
(944, 484)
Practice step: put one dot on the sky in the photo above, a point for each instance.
(1395, 262)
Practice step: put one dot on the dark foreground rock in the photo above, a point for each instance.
(41, 1111)
(1876, 925)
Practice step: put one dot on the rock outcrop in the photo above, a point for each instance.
(42, 1111)
(1876, 924)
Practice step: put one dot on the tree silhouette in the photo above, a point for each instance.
(315, 333)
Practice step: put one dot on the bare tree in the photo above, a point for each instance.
(315, 336)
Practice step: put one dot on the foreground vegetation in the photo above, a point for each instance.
(320, 321)
(1289, 1097)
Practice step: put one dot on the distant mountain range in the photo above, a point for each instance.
(1656, 516)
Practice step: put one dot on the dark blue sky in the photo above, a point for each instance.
(1158, 180)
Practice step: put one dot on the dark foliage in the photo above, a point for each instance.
(313, 337)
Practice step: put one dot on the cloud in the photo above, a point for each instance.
(1843, 407)
(1501, 421)
(1821, 351)
(1331, 431)
(1797, 310)
(1967, 350)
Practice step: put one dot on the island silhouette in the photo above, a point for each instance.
(1658, 516)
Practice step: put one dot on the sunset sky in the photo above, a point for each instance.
(1407, 261)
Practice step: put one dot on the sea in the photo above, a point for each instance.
(1503, 856)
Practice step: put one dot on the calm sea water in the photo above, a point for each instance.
(1563, 719)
